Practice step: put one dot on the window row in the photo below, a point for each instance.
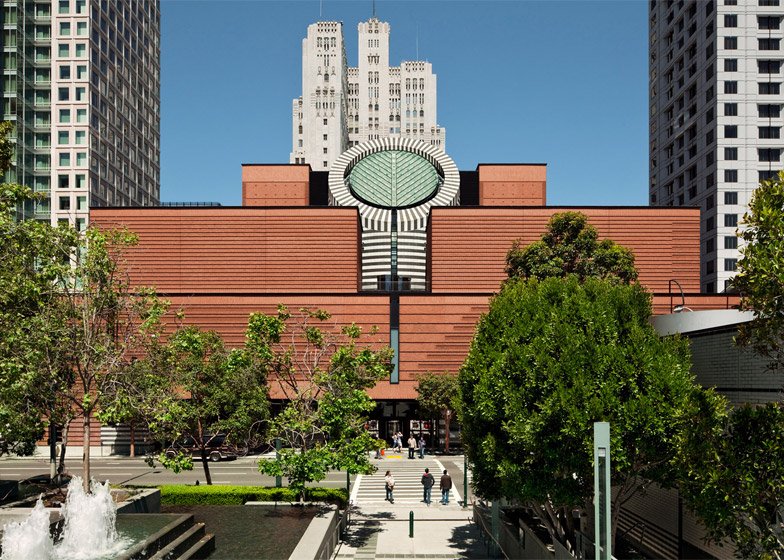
(731, 131)
(65, 29)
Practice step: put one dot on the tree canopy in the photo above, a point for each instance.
(324, 372)
(732, 474)
(190, 386)
(437, 397)
(760, 278)
(549, 359)
(570, 245)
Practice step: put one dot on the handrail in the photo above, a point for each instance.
(487, 532)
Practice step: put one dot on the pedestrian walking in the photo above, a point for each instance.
(427, 482)
(400, 442)
(412, 443)
(421, 446)
(389, 484)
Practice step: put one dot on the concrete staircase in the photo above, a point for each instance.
(181, 539)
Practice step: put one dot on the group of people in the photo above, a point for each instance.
(413, 444)
(428, 481)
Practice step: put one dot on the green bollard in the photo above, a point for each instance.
(410, 524)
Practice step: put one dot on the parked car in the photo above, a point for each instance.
(216, 447)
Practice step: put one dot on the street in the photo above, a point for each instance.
(126, 470)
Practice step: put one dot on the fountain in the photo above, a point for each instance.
(89, 531)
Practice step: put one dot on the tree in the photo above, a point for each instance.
(570, 245)
(436, 394)
(190, 386)
(732, 474)
(548, 360)
(760, 278)
(323, 373)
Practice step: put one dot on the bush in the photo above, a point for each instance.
(179, 495)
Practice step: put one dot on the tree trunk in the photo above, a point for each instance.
(133, 441)
(447, 421)
(206, 464)
(86, 452)
(64, 437)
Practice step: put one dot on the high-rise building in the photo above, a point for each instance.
(343, 106)
(715, 115)
(81, 82)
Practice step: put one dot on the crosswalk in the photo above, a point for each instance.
(369, 489)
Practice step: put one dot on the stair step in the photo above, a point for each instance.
(201, 549)
(183, 542)
(160, 539)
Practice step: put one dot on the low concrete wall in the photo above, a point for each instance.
(321, 536)
(147, 500)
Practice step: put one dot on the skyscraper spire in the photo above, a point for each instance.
(374, 9)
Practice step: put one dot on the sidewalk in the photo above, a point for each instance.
(439, 532)
(379, 529)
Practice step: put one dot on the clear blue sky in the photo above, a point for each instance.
(564, 83)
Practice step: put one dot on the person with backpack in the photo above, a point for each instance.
(427, 482)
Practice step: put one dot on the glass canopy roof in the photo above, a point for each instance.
(393, 179)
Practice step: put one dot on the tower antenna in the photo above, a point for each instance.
(374, 9)
(417, 42)
(321, 6)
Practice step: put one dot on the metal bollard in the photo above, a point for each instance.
(410, 524)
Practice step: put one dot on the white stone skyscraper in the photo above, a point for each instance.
(81, 83)
(342, 106)
(715, 115)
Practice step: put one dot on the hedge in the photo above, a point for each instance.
(179, 495)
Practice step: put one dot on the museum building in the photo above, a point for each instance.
(392, 236)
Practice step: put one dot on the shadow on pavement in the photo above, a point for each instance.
(467, 542)
(360, 532)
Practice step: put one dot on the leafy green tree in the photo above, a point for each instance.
(436, 395)
(190, 386)
(549, 359)
(732, 474)
(760, 277)
(570, 245)
(324, 374)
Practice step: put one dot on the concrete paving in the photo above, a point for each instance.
(379, 529)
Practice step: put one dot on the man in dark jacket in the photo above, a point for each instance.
(427, 481)
(446, 486)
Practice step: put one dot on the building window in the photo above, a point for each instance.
(62, 181)
(709, 203)
(730, 64)
(769, 131)
(325, 150)
(710, 267)
(62, 137)
(710, 224)
(730, 20)
(769, 154)
(769, 66)
(767, 175)
(64, 159)
(81, 72)
(769, 88)
(81, 159)
(730, 197)
(63, 50)
(731, 131)
(81, 203)
(325, 164)
(730, 265)
(730, 220)
(81, 115)
(730, 242)
(64, 203)
(710, 245)
(81, 28)
(731, 87)
(730, 175)
(325, 138)
(81, 50)
(730, 153)
(65, 28)
(65, 115)
(63, 7)
(768, 22)
(62, 94)
(81, 181)
(730, 43)
(769, 44)
(769, 111)
(81, 94)
(65, 72)
(768, 2)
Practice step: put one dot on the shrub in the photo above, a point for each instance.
(179, 495)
